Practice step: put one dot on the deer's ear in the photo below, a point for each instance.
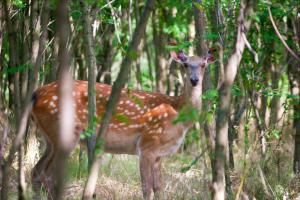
(210, 57)
(178, 57)
(174, 56)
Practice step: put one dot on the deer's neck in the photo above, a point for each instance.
(190, 97)
(189, 100)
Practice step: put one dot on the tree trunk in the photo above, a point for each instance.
(13, 62)
(91, 63)
(137, 62)
(230, 70)
(160, 62)
(106, 57)
(275, 77)
(201, 50)
(150, 71)
(65, 85)
(294, 80)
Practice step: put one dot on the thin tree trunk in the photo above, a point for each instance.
(54, 64)
(66, 122)
(137, 62)
(294, 79)
(13, 62)
(91, 63)
(106, 58)
(23, 80)
(230, 70)
(200, 23)
(261, 122)
(149, 62)
(22, 121)
(275, 77)
(201, 49)
(35, 30)
(115, 94)
(160, 72)
(241, 106)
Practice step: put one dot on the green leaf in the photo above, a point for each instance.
(211, 36)
(136, 100)
(76, 14)
(99, 147)
(292, 96)
(99, 151)
(82, 136)
(182, 45)
(185, 169)
(187, 114)
(210, 94)
(276, 133)
(19, 3)
(236, 91)
(133, 54)
(122, 118)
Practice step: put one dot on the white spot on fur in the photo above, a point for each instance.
(52, 104)
(54, 98)
(160, 130)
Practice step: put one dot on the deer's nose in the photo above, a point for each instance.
(194, 81)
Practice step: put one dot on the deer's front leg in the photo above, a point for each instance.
(146, 166)
(157, 183)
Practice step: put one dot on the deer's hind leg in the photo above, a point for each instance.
(38, 171)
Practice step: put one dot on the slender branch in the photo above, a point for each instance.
(280, 36)
(110, 2)
(250, 48)
(113, 14)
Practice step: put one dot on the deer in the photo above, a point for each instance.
(149, 131)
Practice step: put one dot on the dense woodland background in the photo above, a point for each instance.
(248, 130)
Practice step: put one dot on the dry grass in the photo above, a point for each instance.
(120, 180)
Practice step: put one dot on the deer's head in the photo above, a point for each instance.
(194, 65)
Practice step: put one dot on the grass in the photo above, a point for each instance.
(120, 176)
(120, 179)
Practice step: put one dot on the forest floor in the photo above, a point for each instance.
(120, 177)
